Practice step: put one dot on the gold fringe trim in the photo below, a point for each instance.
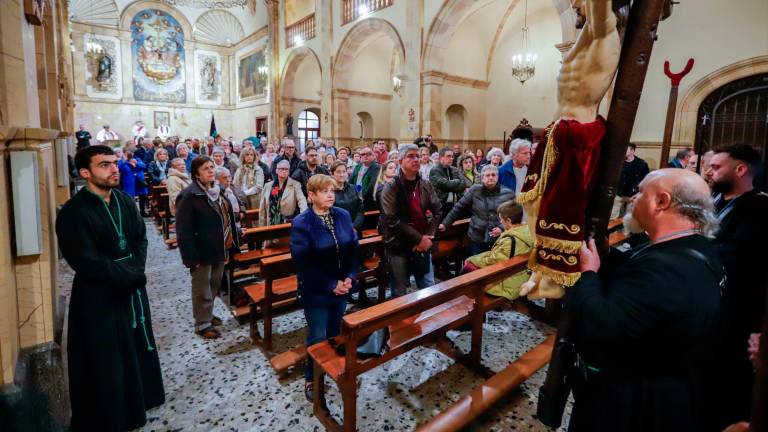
(565, 246)
(550, 156)
(562, 278)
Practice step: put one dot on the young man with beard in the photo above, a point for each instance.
(644, 328)
(743, 234)
(114, 370)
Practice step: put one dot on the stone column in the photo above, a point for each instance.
(342, 130)
(410, 109)
(9, 335)
(324, 30)
(274, 122)
(432, 89)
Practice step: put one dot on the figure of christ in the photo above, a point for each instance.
(561, 174)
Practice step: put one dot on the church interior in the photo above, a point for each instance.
(465, 72)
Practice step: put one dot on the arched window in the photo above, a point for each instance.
(309, 126)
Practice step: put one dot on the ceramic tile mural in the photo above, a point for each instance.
(157, 48)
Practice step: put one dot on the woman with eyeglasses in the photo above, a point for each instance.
(282, 198)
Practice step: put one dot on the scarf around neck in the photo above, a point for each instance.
(212, 192)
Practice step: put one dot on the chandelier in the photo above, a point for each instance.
(524, 64)
(208, 4)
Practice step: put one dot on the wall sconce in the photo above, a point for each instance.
(263, 70)
(298, 41)
(397, 85)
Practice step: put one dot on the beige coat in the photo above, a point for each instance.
(250, 180)
(292, 199)
(176, 182)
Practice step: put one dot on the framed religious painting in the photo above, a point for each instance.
(162, 117)
(252, 75)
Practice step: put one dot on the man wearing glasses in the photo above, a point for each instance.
(289, 154)
(410, 215)
(364, 177)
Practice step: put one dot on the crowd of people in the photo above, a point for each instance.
(419, 190)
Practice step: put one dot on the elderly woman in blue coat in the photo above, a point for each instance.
(325, 251)
(132, 179)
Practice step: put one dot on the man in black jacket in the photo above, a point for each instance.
(410, 215)
(634, 171)
(445, 178)
(644, 331)
(741, 241)
(307, 168)
(289, 154)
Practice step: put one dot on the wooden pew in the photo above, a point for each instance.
(251, 218)
(420, 318)
(371, 223)
(450, 245)
(276, 295)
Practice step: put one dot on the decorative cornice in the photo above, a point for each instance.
(437, 77)
(287, 99)
(348, 92)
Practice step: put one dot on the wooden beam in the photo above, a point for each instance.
(460, 415)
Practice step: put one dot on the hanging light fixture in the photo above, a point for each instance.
(524, 64)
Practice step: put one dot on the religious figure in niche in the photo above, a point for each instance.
(562, 171)
(289, 124)
(104, 72)
(208, 77)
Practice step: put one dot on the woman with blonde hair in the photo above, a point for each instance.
(249, 177)
(387, 172)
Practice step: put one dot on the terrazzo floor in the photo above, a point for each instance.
(228, 385)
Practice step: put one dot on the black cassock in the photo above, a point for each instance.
(114, 369)
(646, 332)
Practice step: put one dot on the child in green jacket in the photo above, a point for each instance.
(515, 240)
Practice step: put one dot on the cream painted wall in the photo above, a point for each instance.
(297, 9)
(468, 50)
(474, 101)
(712, 32)
(394, 14)
(185, 122)
(507, 100)
(307, 81)
(371, 69)
(380, 112)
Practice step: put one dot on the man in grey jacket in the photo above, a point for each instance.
(446, 180)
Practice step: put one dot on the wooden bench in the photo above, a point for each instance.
(276, 295)
(419, 318)
(250, 219)
(370, 223)
(450, 246)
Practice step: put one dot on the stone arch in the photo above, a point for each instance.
(295, 58)
(355, 40)
(130, 12)
(687, 110)
(453, 12)
(456, 123)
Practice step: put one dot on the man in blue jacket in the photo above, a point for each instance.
(512, 173)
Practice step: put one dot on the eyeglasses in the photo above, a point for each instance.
(411, 156)
(366, 154)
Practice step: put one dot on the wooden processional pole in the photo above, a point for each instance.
(639, 36)
(675, 78)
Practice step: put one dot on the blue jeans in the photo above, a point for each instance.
(323, 322)
(475, 248)
(400, 274)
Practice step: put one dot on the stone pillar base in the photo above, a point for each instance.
(38, 399)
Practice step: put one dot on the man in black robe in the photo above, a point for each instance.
(644, 328)
(114, 370)
(740, 241)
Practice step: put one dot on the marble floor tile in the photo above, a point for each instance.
(228, 385)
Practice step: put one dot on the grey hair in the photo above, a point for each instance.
(489, 167)
(517, 144)
(696, 207)
(404, 149)
(217, 150)
(492, 152)
(177, 160)
(221, 171)
(159, 151)
(180, 146)
(284, 163)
